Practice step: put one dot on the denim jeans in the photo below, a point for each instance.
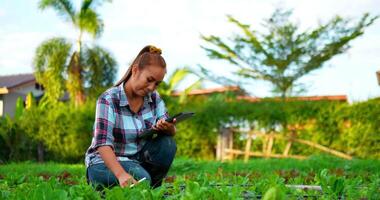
(152, 162)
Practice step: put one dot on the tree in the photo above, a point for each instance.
(59, 66)
(13, 136)
(283, 54)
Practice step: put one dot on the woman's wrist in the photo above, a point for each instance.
(119, 173)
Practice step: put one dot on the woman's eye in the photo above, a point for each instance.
(149, 80)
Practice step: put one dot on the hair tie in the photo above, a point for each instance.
(153, 49)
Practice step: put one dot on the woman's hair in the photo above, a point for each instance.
(149, 55)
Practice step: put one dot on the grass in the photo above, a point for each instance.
(194, 179)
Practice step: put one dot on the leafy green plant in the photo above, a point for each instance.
(331, 184)
(208, 180)
(274, 193)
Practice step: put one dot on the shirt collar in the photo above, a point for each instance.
(124, 99)
(122, 95)
(148, 98)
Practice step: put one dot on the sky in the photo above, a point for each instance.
(175, 26)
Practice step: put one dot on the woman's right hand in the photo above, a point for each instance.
(125, 179)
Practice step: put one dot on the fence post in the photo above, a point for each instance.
(248, 146)
(270, 145)
(224, 141)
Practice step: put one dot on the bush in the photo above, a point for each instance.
(66, 131)
(349, 128)
(362, 133)
(16, 145)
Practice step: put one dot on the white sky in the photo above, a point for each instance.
(175, 26)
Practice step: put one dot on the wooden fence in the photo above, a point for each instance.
(225, 149)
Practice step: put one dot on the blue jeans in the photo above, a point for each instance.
(152, 162)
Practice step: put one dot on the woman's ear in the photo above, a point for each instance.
(134, 70)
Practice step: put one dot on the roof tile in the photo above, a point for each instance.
(10, 81)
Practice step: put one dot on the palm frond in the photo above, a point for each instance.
(64, 8)
(177, 76)
(90, 22)
(100, 68)
(50, 64)
(196, 85)
(92, 3)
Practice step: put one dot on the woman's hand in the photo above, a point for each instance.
(125, 179)
(165, 126)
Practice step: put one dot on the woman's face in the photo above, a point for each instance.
(146, 80)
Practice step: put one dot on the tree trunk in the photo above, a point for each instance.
(75, 82)
(40, 152)
(75, 85)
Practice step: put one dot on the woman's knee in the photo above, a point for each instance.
(160, 151)
(100, 175)
(168, 143)
(136, 171)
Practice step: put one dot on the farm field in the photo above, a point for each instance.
(326, 177)
(284, 99)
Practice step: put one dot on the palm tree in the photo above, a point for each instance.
(58, 65)
(167, 88)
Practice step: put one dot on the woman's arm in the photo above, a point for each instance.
(111, 162)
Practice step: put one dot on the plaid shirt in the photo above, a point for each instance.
(117, 126)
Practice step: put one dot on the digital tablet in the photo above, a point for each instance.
(179, 117)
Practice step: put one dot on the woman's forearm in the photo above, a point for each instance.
(110, 160)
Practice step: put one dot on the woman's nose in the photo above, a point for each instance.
(151, 87)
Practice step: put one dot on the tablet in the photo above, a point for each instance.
(179, 117)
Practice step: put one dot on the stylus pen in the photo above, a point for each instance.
(141, 180)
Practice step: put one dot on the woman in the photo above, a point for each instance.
(117, 155)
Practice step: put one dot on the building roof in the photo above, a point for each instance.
(340, 98)
(11, 81)
(211, 91)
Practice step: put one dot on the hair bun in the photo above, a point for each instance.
(153, 49)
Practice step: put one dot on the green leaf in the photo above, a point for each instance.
(274, 193)
(19, 108)
(63, 7)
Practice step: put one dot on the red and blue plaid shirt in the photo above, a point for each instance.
(117, 126)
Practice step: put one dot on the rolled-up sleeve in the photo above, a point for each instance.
(104, 123)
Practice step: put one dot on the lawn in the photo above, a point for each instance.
(193, 179)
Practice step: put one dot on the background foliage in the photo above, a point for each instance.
(65, 131)
(349, 128)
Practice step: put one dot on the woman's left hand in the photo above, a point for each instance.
(165, 126)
